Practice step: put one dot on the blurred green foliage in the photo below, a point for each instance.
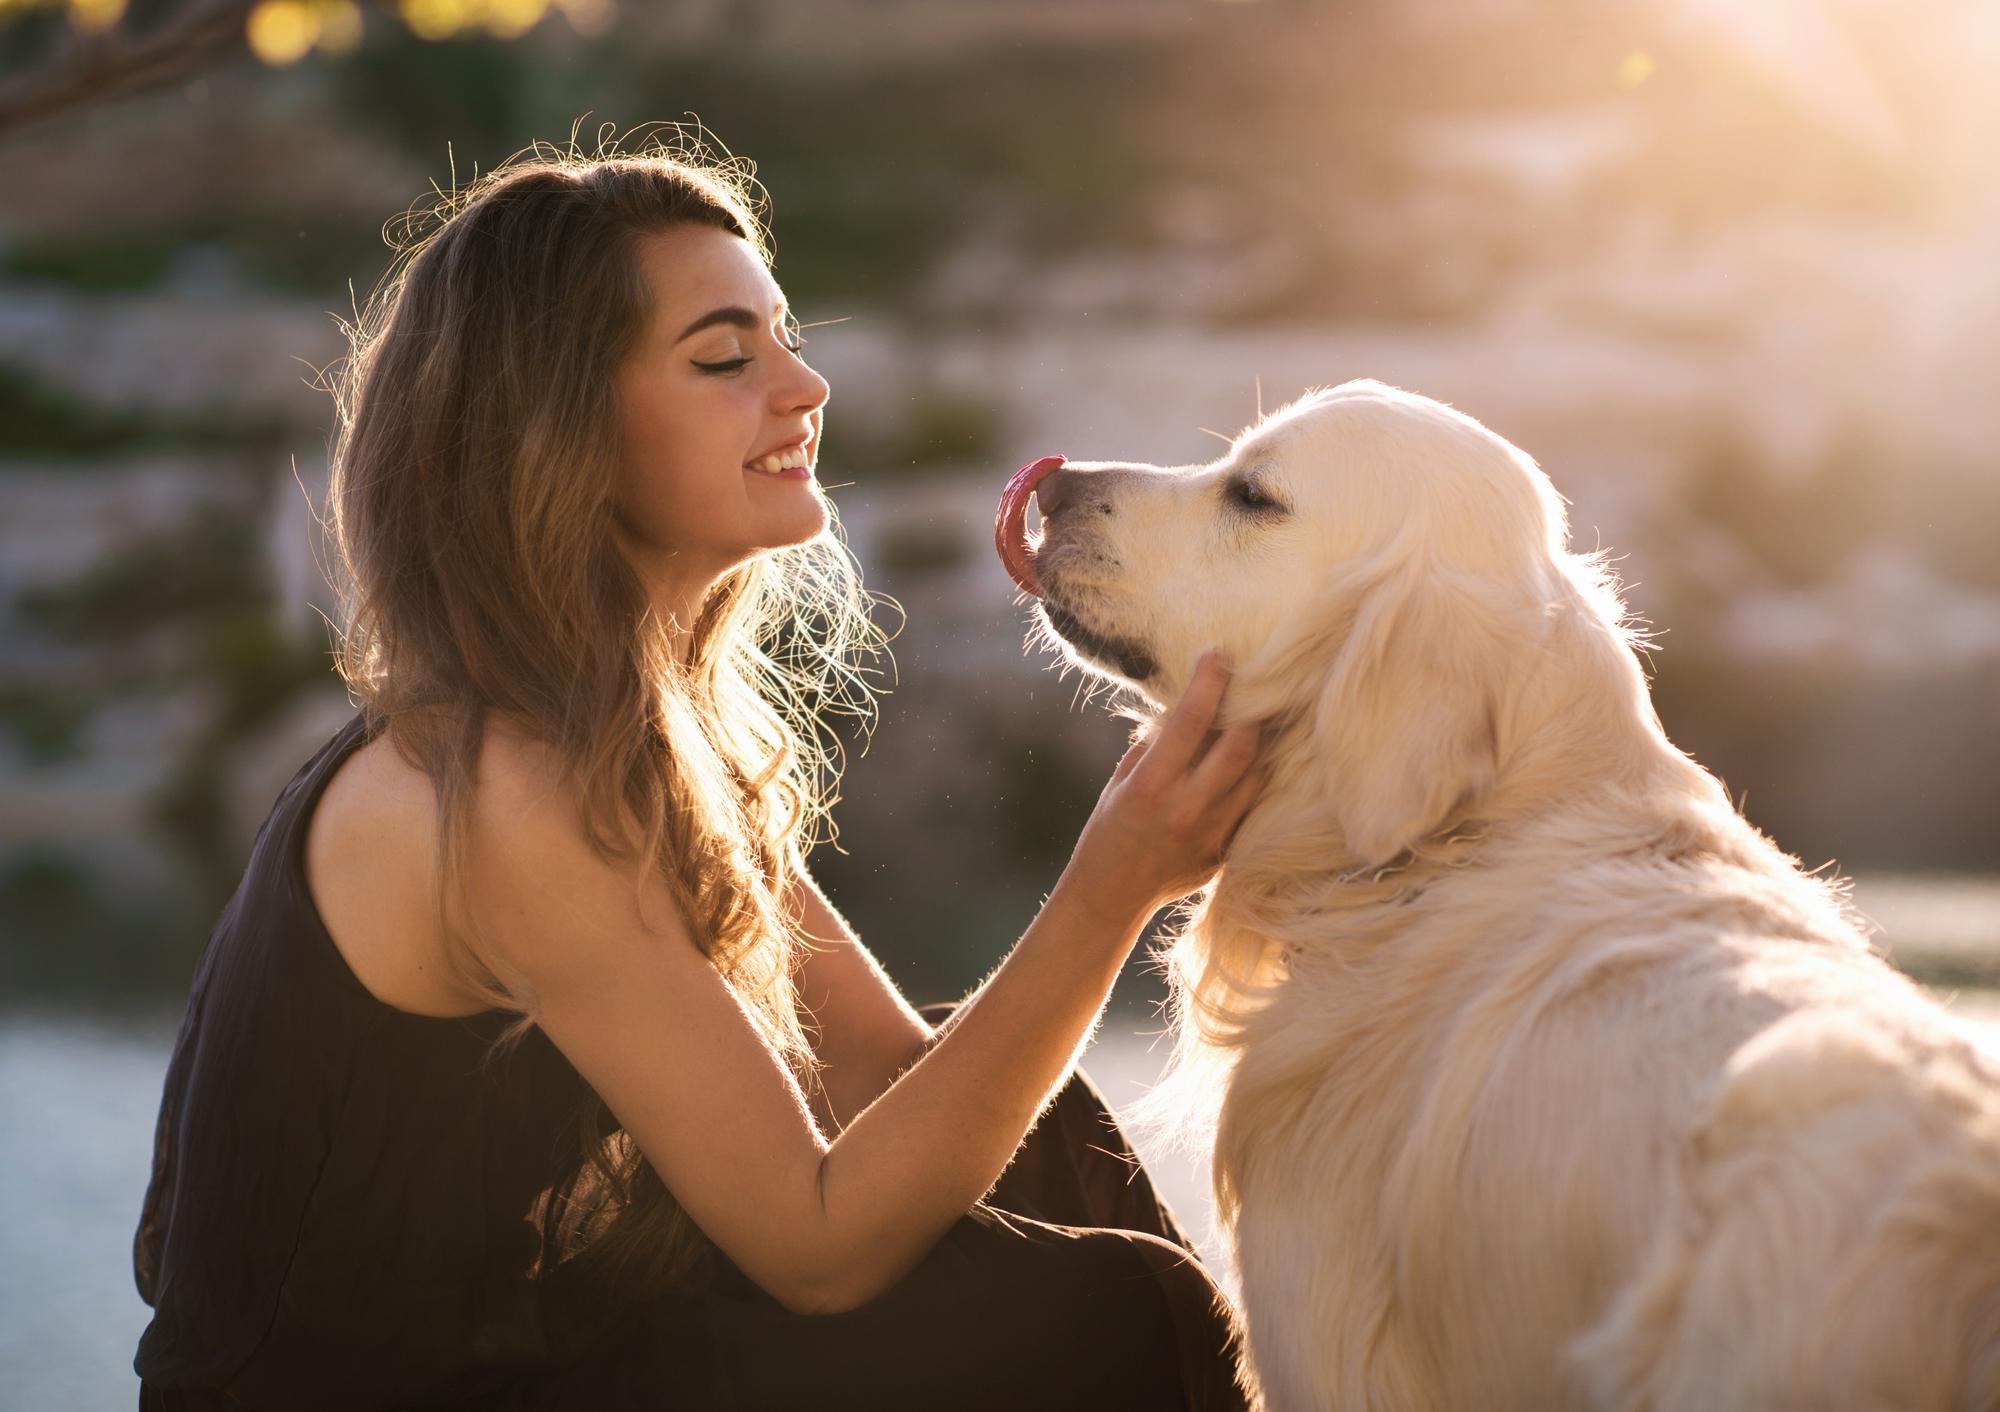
(268, 249)
(935, 428)
(1044, 800)
(921, 549)
(256, 669)
(208, 566)
(202, 587)
(45, 724)
(100, 262)
(874, 170)
(40, 419)
(75, 936)
(944, 426)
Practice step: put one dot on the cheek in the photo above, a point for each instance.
(672, 464)
(1163, 542)
(1251, 590)
(1207, 581)
(654, 494)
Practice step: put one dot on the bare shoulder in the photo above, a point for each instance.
(519, 785)
(370, 862)
(545, 902)
(530, 874)
(523, 808)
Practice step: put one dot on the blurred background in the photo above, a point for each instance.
(1730, 271)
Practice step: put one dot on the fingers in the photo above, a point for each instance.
(1183, 727)
(1134, 753)
(1158, 833)
(1232, 753)
(1235, 806)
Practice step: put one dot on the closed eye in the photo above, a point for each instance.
(794, 343)
(795, 346)
(1247, 495)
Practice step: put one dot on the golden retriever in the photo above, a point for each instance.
(1535, 1077)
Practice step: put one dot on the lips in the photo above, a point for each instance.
(1010, 526)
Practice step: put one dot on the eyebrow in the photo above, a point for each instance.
(734, 314)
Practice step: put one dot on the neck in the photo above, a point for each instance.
(1596, 755)
(682, 630)
(676, 599)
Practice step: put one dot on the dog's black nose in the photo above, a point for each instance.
(1054, 490)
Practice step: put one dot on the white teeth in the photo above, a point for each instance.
(788, 460)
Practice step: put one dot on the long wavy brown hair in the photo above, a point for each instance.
(471, 516)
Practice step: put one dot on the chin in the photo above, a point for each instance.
(1108, 653)
(806, 524)
(819, 519)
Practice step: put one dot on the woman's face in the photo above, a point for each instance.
(713, 386)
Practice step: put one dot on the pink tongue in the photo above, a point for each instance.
(1010, 526)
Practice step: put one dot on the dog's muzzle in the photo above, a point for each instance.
(1124, 656)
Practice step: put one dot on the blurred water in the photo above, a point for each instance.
(77, 1103)
(78, 1097)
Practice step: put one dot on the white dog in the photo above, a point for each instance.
(1536, 1077)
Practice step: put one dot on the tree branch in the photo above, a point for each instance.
(100, 66)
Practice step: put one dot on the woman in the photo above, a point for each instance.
(528, 1067)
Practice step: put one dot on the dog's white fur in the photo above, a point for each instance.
(1536, 1077)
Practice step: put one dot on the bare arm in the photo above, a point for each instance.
(866, 1032)
(649, 1022)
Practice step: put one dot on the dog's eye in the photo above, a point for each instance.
(1246, 494)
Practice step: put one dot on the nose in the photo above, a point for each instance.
(1055, 489)
(807, 390)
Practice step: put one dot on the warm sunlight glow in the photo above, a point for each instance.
(588, 17)
(282, 31)
(435, 19)
(507, 19)
(339, 27)
(1805, 49)
(95, 16)
(511, 18)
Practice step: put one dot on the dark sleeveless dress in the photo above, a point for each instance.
(343, 1215)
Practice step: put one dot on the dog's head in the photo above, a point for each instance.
(1379, 567)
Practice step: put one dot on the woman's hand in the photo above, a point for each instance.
(1165, 818)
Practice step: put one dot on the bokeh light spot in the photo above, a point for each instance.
(435, 19)
(588, 17)
(95, 16)
(281, 31)
(339, 26)
(511, 18)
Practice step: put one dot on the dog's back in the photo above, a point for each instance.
(1703, 1151)
(1834, 1239)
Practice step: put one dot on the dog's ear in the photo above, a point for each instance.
(1406, 722)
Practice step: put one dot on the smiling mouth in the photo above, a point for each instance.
(805, 453)
(1128, 657)
(796, 461)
